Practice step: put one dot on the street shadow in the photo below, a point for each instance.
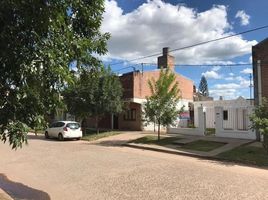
(20, 191)
(42, 137)
(108, 143)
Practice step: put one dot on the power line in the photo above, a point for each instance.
(205, 65)
(194, 45)
(186, 65)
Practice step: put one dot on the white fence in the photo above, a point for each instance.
(240, 127)
(200, 130)
(240, 130)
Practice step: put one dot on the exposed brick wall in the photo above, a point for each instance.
(127, 81)
(134, 125)
(104, 122)
(260, 52)
(141, 89)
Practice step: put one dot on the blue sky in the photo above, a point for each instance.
(140, 28)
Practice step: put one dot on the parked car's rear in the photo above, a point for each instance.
(64, 129)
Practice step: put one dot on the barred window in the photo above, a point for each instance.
(130, 115)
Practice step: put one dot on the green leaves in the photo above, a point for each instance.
(38, 42)
(16, 132)
(96, 93)
(161, 106)
(259, 121)
(203, 87)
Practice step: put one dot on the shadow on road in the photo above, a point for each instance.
(42, 137)
(20, 191)
(106, 143)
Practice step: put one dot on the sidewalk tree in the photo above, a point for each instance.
(161, 106)
(38, 41)
(96, 93)
(259, 121)
(203, 87)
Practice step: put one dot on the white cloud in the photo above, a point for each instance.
(216, 68)
(211, 75)
(246, 71)
(156, 24)
(244, 18)
(227, 86)
(230, 90)
(225, 93)
(250, 59)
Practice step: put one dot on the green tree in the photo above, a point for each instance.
(95, 94)
(203, 87)
(38, 41)
(161, 106)
(259, 121)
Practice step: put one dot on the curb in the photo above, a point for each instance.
(202, 157)
(4, 195)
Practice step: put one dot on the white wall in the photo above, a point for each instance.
(235, 133)
(237, 113)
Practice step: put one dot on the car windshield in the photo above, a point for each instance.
(73, 125)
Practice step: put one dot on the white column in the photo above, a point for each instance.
(259, 82)
(201, 120)
(218, 119)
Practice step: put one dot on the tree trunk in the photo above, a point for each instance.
(159, 131)
(97, 124)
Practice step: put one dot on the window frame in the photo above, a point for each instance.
(131, 115)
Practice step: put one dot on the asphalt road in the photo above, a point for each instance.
(48, 169)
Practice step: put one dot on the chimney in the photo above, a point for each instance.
(166, 60)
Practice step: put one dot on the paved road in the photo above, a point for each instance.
(48, 169)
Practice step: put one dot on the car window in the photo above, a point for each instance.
(60, 124)
(52, 125)
(73, 125)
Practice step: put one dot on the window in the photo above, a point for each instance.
(225, 115)
(130, 115)
(73, 125)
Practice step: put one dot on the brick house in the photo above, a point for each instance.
(135, 90)
(260, 70)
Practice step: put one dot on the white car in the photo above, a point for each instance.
(64, 129)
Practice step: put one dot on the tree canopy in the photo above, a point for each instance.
(95, 94)
(203, 87)
(259, 121)
(38, 42)
(161, 106)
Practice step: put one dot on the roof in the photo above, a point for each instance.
(261, 43)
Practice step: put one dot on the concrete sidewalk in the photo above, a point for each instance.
(126, 137)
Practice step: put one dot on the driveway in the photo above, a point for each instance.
(48, 169)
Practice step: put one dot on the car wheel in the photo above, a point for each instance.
(78, 138)
(46, 135)
(60, 137)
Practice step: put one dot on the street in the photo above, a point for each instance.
(49, 169)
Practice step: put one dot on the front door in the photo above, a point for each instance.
(115, 122)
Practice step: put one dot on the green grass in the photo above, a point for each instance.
(210, 131)
(247, 154)
(93, 131)
(91, 137)
(203, 145)
(151, 139)
(38, 131)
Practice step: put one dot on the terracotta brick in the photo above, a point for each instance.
(135, 84)
(260, 52)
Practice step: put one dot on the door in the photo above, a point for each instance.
(115, 122)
